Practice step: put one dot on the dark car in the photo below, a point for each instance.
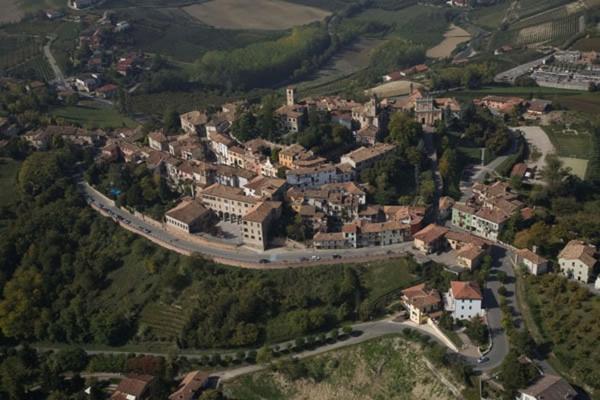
(263, 261)
(336, 256)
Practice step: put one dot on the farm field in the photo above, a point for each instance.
(91, 115)
(255, 14)
(392, 89)
(587, 44)
(398, 366)
(578, 166)
(418, 23)
(489, 17)
(452, 38)
(573, 142)
(348, 61)
(156, 32)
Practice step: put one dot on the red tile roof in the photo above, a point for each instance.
(466, 290)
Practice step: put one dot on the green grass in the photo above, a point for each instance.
(419, 23)
(89, 114)
(384, 277)
(9, 169)
(165, 321)
(156, 30)
(489, 17)
(569, 144)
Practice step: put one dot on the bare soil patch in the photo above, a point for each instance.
(452, 38)
(254, 14)
(10, 11)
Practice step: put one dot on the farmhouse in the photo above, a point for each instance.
(534, 263)
(420, 302)
(464, 300)
(500, 104)
(578, 260)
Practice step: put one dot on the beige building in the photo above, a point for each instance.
(420, 302)
(365, 157)
(158, 141)
(194, 122)
(188, 216)
(254, 214)
(578, 260)
(430, 239)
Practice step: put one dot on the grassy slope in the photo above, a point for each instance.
(388, 368)
(8, 180)
(90, 115)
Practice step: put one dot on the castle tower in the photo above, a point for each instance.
(291, 96)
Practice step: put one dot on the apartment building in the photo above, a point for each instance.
(189, 216)
(324, 174)
(464, 300)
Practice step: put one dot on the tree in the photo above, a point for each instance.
(266, 121)
(514, 374)
(244, 127)
(404, 130)
(70, 360)
(553, 173)
(264, 355)
(476, 330)
(171, 122)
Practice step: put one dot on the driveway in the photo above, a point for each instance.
(538, 138)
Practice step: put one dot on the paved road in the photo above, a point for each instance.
(52, 61)
(244, 254)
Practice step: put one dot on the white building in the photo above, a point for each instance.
(548, 387)
(578, 260)
(464, 300)
(535, 264)
(317, 176)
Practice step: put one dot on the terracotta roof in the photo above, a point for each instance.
(227, 192)
(188, 212)
(551, 387)
(493, 215)
(519, 170)
(467, 238)
(228, 170)
(261, 211)
(192, 384)
(470, 252)
(159, 136)
(134, 385)
(264, 183)
(332, 236)
(195, 117)
(292, 150)
(431, 233)
(376, 227)
(366, 153)
(421, 297)
(531, 256)
(466, 290)
(579, 250)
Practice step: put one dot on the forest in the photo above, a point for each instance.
(68, 275)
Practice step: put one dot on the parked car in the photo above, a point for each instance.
(481, 360)
(263, 261)
(315, 258)
(336, 256)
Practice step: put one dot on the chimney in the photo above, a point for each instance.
(534, 248)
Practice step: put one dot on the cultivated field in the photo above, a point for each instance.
(255, 14)
(578, 166)
(344, 63)
(392, 89)
(388, 368)
(11, 12)
(455, 36)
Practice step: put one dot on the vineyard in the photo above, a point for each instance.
(554, 31)
(165, 322)
(23, 57)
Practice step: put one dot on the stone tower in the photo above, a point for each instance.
(291, 95)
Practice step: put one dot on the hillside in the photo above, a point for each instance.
(388, 368)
